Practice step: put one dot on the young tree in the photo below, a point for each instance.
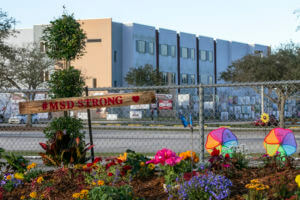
(64, 39)
(25, 71)
(144, 76)
(283, 64)
(6, 30)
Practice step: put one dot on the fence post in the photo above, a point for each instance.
(90, 126)
(262, 99)
(201, 121)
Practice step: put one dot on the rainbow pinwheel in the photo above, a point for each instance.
(222, 139)
(280, 140)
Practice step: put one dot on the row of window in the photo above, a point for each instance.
(170, 50)
(170, 78)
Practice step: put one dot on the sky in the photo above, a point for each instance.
(267, 22)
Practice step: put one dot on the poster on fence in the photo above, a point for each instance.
(165, 104)
(136, 115)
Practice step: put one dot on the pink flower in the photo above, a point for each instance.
(165, 156)
(226, 165)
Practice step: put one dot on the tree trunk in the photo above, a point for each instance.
(281, 104)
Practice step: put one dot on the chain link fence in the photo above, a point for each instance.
(150, 127)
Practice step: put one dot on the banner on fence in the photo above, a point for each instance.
(89, 102)
(165, 104)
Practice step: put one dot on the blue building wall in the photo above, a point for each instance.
(188, 62)
(132, 56)
(206, 63)
(223, 57)
(168, 62)
(117, 74)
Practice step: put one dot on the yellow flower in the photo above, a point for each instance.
(142, 164)
(22, 197)
(33, 195)
(19, 176)
(196, 159)
(254, 181)
(84, 192)
(93, 183)
(81, 196)
(8, 177)
(265, 118)
(123, 157)
(151, 166)
(183, 155)
(100, 182)
(42, 196)
(76, 195)
(297, 179)
(40, 179)
(84, 167)
(78, 166)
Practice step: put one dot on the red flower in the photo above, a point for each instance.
(43, 145)
(227, 155)
(97, 159)
(127, 167)
(77, 140)
(188, 175)
(119, 161)
(89, 164)
(215, 152)
(110, 174)
(122, 173)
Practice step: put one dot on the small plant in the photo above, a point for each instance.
(239, 160)
(16, 163)
(138, 163)
(278, 161)
(111, 193)
(10, 181)
(1, 163)
(108, 171)
(207, 186)
(64, 149)
(168, 162)
(218, 162)
(256, 190)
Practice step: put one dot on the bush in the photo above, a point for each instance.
(66, 83)
(111, 193)
(68, 125)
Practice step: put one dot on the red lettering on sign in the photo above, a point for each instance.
(135, 98)
(101, 101)
(119, 100)
(111, 101)
(95, 102)
(70, 104)
(45, 105)
(80, 104)
(62, 105)
(53, 106)
(87, 102)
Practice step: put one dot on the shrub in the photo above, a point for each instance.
(111, 193)
(16, 163)
(138, 163)
(207, 186)
(67, 125)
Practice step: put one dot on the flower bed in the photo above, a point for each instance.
(167, 176)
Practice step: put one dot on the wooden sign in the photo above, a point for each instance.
(89, 102)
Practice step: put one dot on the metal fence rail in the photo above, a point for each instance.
(148, 128)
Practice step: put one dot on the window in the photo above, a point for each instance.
(46, 76)
(172, 77)
(115, 56)
(165, 77)
(140, 46)
(164, 49)
(210, 80)
(184, 79)
(202, 55)
(115, 83)
(210, 56)
(151, 48)
(193, 53)
(94, 82)
(184, 52)
(93, 40)
(192, 79)
(173, 51)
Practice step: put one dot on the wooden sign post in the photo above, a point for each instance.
(89, 102)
